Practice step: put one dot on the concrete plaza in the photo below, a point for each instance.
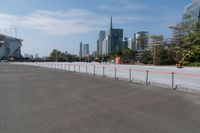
(42, 100)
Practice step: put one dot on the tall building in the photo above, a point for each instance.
(130, 44)
(81, 50)
(85, 50)
(125, 43)
(101, 37)
(98, 48)
(37, 56)
(105, 46)
(141, 40)
(10, 46)
(191, 13)
(115, 39)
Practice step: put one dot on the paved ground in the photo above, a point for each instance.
(38, 100)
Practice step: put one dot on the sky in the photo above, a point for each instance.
(45, 25)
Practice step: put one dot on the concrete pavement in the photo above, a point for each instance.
(39, 100)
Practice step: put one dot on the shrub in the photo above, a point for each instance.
(195, 64)
(185, 63)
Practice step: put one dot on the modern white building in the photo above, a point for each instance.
(10, 46)
(105, 46)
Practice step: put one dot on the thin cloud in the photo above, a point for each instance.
(122, 5)
(62, 23)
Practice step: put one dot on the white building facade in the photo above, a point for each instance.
(10, 46)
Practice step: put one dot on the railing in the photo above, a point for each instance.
(176, 79)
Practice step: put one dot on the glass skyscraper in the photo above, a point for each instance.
(85, 50)
(141, 40)
(102, 36)
(115, 39)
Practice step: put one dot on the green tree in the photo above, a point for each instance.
(128, 54)
(166, 57)
(57, 55)
(147, 57)
(192, 39)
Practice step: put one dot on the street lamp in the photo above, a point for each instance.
(1, 42)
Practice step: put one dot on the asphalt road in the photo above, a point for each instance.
(39, 100)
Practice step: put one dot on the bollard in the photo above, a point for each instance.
(86, 69)
(65, 66)
(173, 83)
(115, 73)
(147, 77)
(94, 71)
(103, 71)
(68, 67)
(74, 68)
(130, 75)
(79, 68)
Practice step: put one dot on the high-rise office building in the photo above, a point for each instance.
(98, 47)
(81, 50)
(141, 40)
(85, 50)
(115, 39)
(191, 13)
(125, 43)
(101, 37)
(105, 46)
(130, 44)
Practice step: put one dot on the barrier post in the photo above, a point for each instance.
(173, 81)
(103, 71)
(115, 73)
(86, 69)
(79, 68)
(74, 68)
(147, 77)
(94, 70)
(130, 75)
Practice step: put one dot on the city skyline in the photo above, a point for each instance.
(45, 25)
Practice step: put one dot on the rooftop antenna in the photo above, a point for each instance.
(15, 32)
(10, 31)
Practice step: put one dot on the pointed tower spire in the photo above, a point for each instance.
(111, 24)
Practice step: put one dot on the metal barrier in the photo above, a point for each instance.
(130, 74)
